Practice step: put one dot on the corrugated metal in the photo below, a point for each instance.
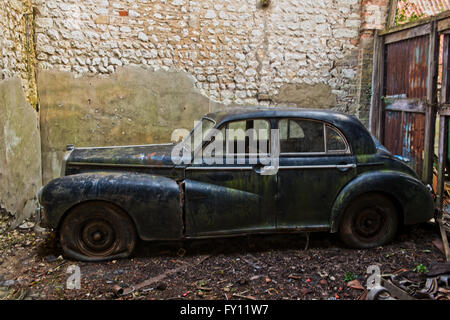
(404, 136)
(406, 68)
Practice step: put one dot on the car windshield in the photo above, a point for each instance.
(205, 124)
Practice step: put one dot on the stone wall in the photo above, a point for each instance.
(373, 17)
(237, 51)
(17, 46)
(20, 148)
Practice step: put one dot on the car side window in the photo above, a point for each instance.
(309, 136)
(335, 142)
(301, 136)
(247, 136)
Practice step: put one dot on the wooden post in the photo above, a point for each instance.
(445, 71)
(430, 121)
(443, 128)
(443, 147)
(392, 12)
(376, 103)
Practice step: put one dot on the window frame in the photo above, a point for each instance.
(242, 155)
(191, 133)
(325, 125)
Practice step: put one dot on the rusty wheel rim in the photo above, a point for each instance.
(370, 222)
(97, 238)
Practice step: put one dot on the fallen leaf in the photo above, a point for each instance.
(355, 284)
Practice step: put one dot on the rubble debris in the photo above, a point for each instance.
(355, 284)
(407, 285)
(118, 290)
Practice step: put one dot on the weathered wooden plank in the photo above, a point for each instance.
(444, 110)
(407, 105)
(443, 24)
(409, 25)
(408, 33)
(445, 71)
(442, 154)
(433, 62)
(392, 11)
(376, 104)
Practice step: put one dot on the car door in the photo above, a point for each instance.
(225, 191)
(315, 164)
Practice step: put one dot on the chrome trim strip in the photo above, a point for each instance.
(333, 166)
(219, 168)
(130, 146)
(120, 165)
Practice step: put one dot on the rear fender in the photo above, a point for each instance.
(409, 194)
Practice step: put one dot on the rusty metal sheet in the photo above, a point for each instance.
(406, 68)
(404, 136)
(392, 140)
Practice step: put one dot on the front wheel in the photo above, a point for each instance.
(96, 231)
(370, 221)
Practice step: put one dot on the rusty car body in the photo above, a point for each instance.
(332, 176)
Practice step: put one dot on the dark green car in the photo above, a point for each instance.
(240, 171)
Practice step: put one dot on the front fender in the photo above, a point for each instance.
(153, 202)
(410, 194)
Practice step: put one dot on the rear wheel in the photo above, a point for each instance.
(371, 220)
(96, 231)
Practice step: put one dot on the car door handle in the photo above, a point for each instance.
(343, 167)
(258, 167)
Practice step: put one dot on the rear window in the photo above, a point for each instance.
(310, 136)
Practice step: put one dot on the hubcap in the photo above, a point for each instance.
(97, 236)
(369, 222)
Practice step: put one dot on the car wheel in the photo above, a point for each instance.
(370, 221)
(96, 231)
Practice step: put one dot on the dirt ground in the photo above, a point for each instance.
(256, 267)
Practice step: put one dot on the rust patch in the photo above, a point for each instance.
(406, 68)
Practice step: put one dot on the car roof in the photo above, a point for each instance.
(356, 134)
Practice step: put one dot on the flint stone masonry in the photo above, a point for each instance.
(16, 45)
(235, 49)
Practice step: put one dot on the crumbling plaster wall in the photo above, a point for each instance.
(20, 148)
(131, 106)
(20, 152)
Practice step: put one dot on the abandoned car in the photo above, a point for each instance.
(322, 171)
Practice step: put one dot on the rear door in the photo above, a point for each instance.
(315, 164)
